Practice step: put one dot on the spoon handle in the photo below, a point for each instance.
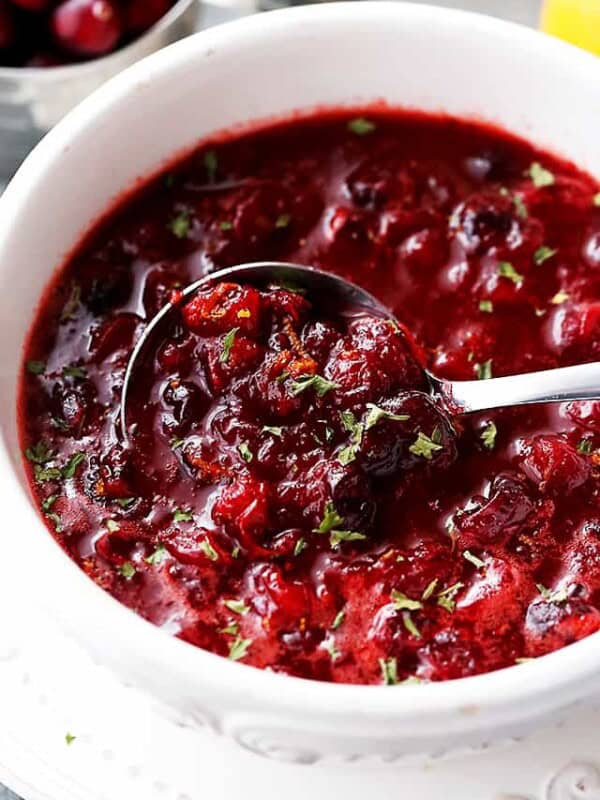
(581, 382)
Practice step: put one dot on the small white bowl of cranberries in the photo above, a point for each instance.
(53, 53)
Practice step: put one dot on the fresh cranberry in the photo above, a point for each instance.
(554, 465)
(87, 27)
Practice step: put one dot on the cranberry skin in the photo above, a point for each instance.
(187, 403)
(243, 506)
(554, 465)
(87, 27)
(226, 306)
(385, 447)
(142, 14)
(550, 626)
(497, 517)
(276, 598)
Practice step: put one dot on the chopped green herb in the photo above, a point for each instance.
(245, 452)
(283, 220)
(445, 598)
(540, 177)
(69, 738)
(300, 546)
(339, 618)
(125, 502)
(156, 558)
(56, 520)
(477, 562)
(389, 671)
(72, 304)
(180, 225)
(176, 443)
(559, 298)
(329, 646)
(179, 515)
(239, 648)
(542, 254)
(410, 625)
(72, 464)
(49, 502)
(232, 629)
(506, 270)
(40, 453)
(112, 525)
(274, 430)
(237, 606)
(127, 570)
(429, 589)
(208, 550)
(336, 537)
(74, 372)
(488, 435)
(211, 164)
(483, 371)
(402, 602)
(520, 206)
(424, 446)
(559, 596)
(227, 345)
(235, 553)
(361, 126)
(486, 306)
(319, 384)
(45, 474)
(585, 447)
(331, 519)
(375, 414)
(35, 367)
(226, 225)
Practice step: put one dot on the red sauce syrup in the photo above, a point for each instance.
(290, 497)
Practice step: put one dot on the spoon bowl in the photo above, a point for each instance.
(579, 382)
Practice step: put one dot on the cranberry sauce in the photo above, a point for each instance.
(289, 496)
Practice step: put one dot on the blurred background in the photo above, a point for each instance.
(32, 100)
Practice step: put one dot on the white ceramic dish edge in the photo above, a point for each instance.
(252, 69)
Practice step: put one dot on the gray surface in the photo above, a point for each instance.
(524, 11)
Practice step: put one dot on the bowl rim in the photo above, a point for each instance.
(540, 685)
(77, 69)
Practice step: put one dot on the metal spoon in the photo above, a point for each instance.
(581, 382)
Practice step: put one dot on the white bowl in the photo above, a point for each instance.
(261, 68)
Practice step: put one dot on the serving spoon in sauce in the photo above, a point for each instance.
(580, 382)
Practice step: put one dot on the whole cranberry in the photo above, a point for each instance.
(7, 26)
(87, 27)
(142, 14)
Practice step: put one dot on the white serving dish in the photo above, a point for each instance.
(262, 68)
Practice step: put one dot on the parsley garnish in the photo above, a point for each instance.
(232, 629)
(239, 648)
(540, 177)
(179, 515)
(40, 453)
(488, 435)
(477, 562)
(208, 550)
(402, 602)
(227, 345)
(339, 618)
(429, 589)
(559, 596)
(559, 298)
(72, 464)
(410, 625)
(176, 443)
(226, 225)
(486, 306)
(542, 254)
(319, 384)
(389, 671)
(125, 502)
(49, 502)
(112, 525)
(329, 646)
(69, 738)
(483, 371)
(361, 126)
(180, 225)
(424, 446)
(506, 270)
(127, 570)
(520, 206)
(300, 546)
(445, 598)
(331, 519)
(237, 606)
(375, 414)
(245, 452)
(283, 220)
(158, 556)
(585, 447)
(274, 430)
(44, 474)
(336, 537)
(35, 367)
(355, 429)
(74, 372)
